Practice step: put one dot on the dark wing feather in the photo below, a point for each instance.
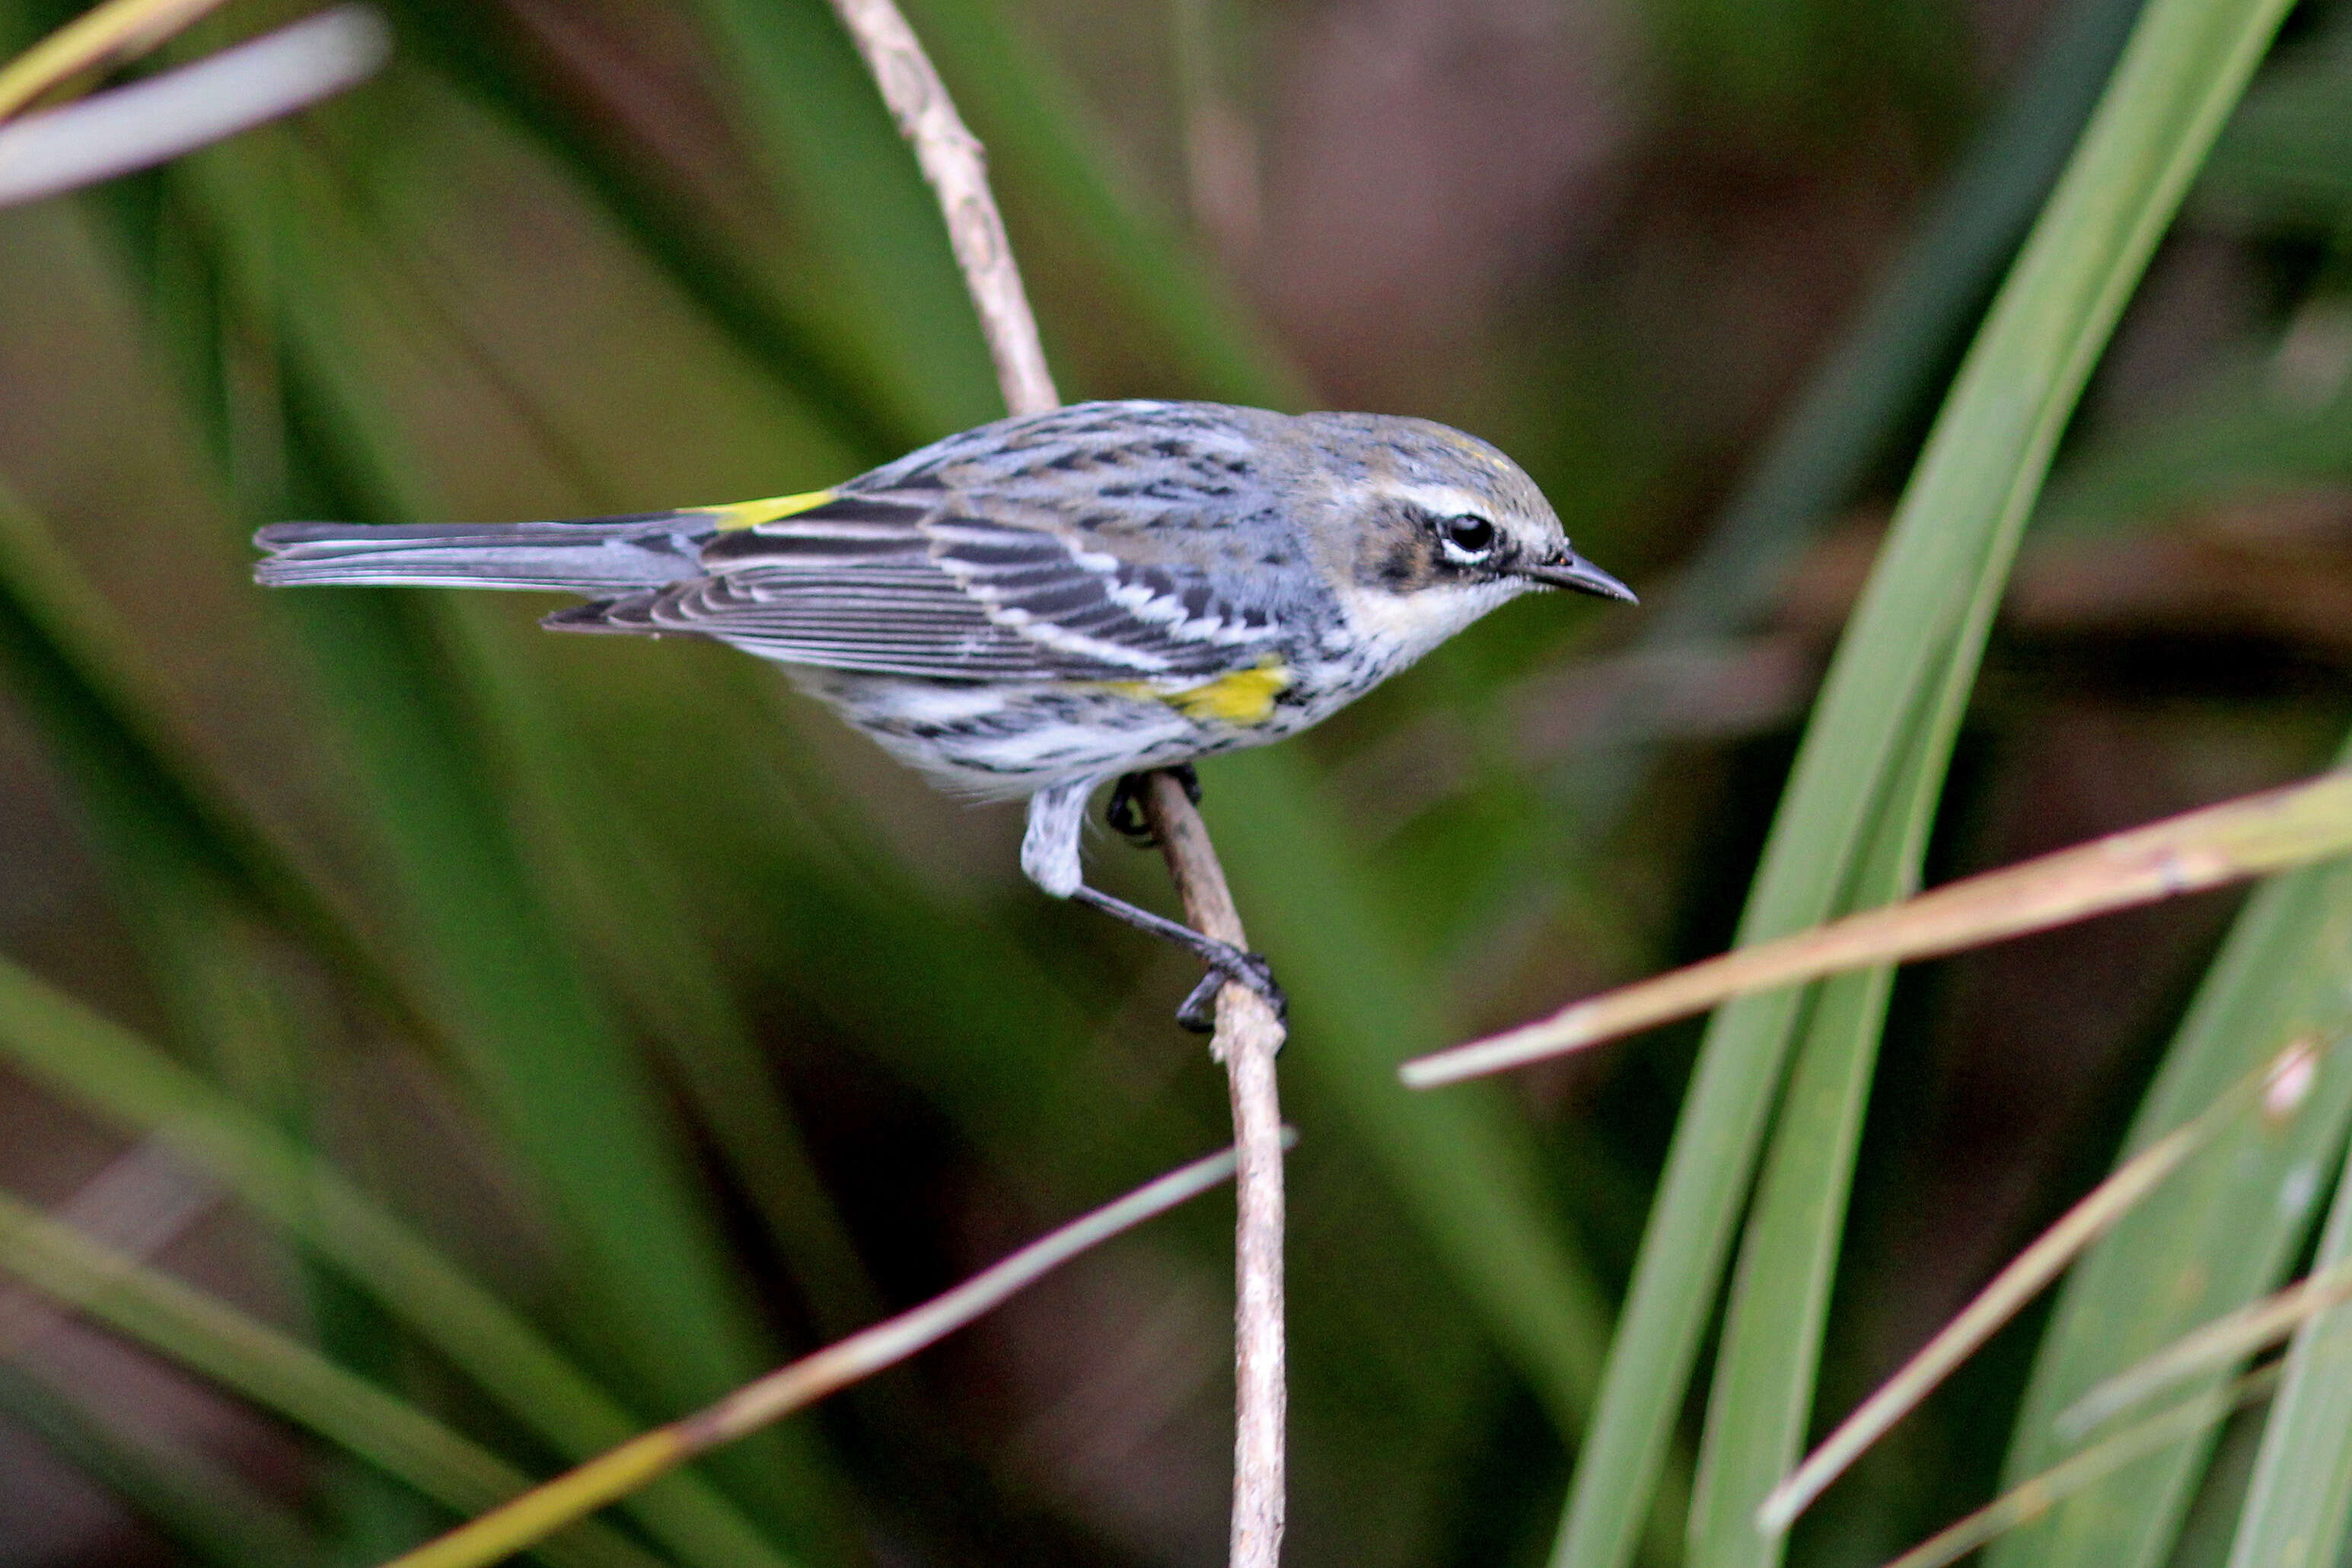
(866, 583)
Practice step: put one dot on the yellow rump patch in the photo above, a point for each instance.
(1246, 697)
(751, 513)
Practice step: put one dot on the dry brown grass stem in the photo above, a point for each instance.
(2253, 835)
(521, 1521)
(103, 35)
(2229, 1338)
(2032, 1498)
(2280, 1084)
(1247, 1034)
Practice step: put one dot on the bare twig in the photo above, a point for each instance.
(1248, 1033)
(545, 1508)
(2030, 1498)
(2281, 1084)
(104, 35)
(2232, 1337)
(2249, 837)
(956, 165)
(151, 121)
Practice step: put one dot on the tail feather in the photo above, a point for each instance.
(595, 557)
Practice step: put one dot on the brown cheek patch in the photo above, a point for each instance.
(1404, 565)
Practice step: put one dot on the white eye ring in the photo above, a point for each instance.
(1467, 539)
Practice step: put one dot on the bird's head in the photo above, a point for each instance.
(1424, 529)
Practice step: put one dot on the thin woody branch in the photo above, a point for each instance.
(2253, 835)
(1247, 1034)
(547, 1508)
(1247, 1038)
(104, 35)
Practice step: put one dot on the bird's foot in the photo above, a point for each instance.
(1228, 963)
(1124, 811)
(1225, 962)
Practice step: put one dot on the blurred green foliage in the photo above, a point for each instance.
(575, 1028)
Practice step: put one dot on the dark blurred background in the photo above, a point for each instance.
(1702, 265)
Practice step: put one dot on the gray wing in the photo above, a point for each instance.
(909, 586)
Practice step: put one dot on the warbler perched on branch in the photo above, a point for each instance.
(1040, 605)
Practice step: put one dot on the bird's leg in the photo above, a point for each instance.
(1124, 811)
(1226, 960)
(1049, 854)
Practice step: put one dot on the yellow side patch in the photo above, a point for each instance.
(1246, 697)
(752, 513)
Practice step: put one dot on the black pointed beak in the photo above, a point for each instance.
(1573, 571)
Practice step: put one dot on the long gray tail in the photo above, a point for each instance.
(596, 556)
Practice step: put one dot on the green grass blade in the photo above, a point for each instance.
(196, 874)
(535, 1038)
(2250, 431)
(2298, 1509)
(1763, 1385)
(261, 1365)
(873, 230)
(1883, 729)
(192, 870)
(1041, 147)
(196, 871)
(788, 337)
(1764, 1378)
(2219, 1233)
(147, 790)
(2286, 161)
(627, 907)
(1883, 366)
(207, 1511)
(536, 1035)
(589, 851)
(83, 1058)
(1463, 1168)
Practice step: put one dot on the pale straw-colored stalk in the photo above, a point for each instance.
(2280, 1084)
(1247, 1032)
(615, 1474)
(2251, 836)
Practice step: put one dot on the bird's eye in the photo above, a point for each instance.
(1467, 539)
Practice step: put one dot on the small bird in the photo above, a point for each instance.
(1048, 603)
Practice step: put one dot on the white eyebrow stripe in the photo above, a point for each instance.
(1438, 500)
